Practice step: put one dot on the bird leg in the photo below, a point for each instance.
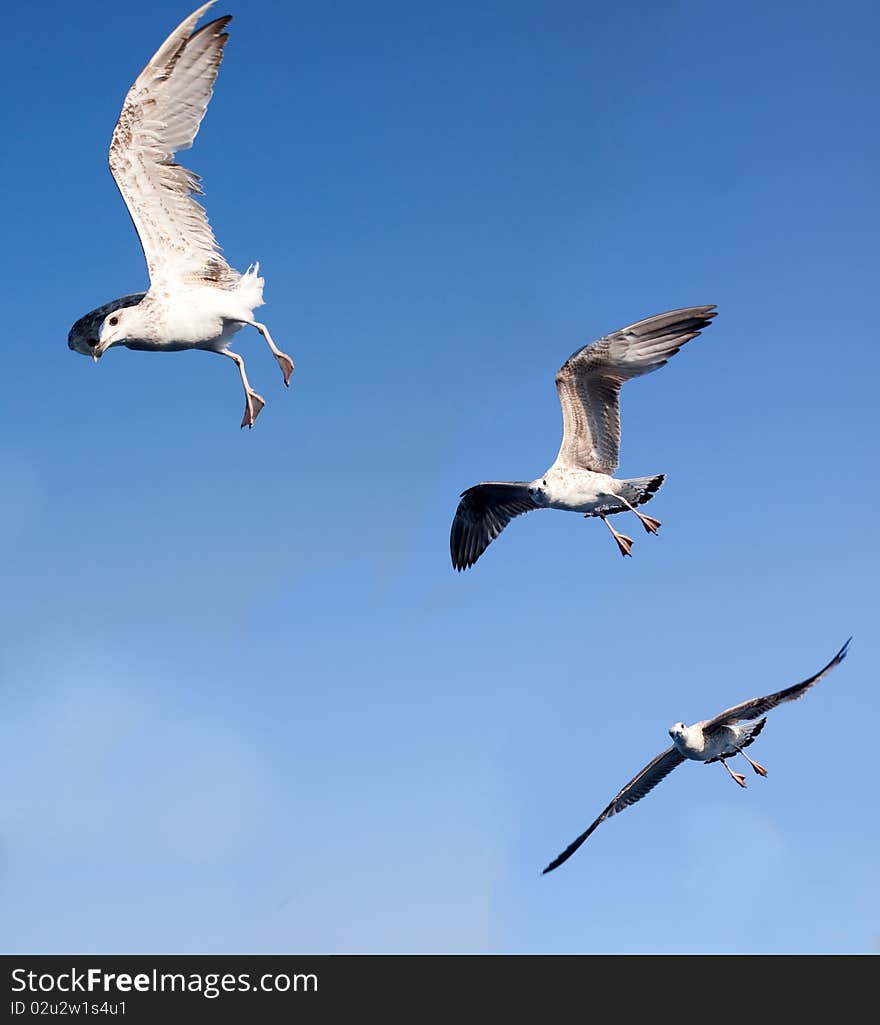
(253, 402)
(736, 776)
(284, 361)
(761, 771)
(624, 543)
(648, 522)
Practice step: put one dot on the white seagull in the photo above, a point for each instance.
(195, 300)
(581, 479)
(710, 740)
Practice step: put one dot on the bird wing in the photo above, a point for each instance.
(589, 382)
(483, 512)
(635, 790)
(756, 707)
(161, 115)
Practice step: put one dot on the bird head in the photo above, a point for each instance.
(114, 329)
(538, 492)
(85, 336)
(677, 730)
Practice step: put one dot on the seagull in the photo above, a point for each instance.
(195, 300)
(581, 480)
(710, 740)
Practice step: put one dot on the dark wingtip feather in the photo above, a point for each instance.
(560, 859)
(553, 864)
(458, 547)
(460, 562)
(218, 24)
(704, 312)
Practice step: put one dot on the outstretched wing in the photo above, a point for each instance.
(634, 791)
(589, 383)
(161, 115)
(756, 707)
(483, 512)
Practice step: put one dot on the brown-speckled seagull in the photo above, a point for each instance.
(195, 300)
(581, 479)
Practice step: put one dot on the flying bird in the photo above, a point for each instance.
(195, 300)
(581, 479)
(710, 740)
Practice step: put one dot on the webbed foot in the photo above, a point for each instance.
(254, 403)
(286, 364)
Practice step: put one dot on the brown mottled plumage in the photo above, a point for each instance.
(581, 479)
(196, 300)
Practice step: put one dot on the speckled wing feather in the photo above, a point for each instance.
(483, 512)
(589, 383)
(635, 790)
(161, 115)
(756, 707)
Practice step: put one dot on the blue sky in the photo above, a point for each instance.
(247, 705)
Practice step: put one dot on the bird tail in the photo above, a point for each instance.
(250, 286)
(639, 490)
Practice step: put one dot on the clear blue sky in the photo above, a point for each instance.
(246, 702)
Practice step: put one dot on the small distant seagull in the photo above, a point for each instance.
(581, 479)
(711, 740)
(196, 300)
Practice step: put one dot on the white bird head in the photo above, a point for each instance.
(677, 730)
(84, 336)
(116, 328)
(538, 492)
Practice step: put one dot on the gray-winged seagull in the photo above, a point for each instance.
(195, 300)
(581, 480)
(710, 740)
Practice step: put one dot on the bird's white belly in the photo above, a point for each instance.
(200, 318)
(692, 746)
(580, 491)
(700, 748)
